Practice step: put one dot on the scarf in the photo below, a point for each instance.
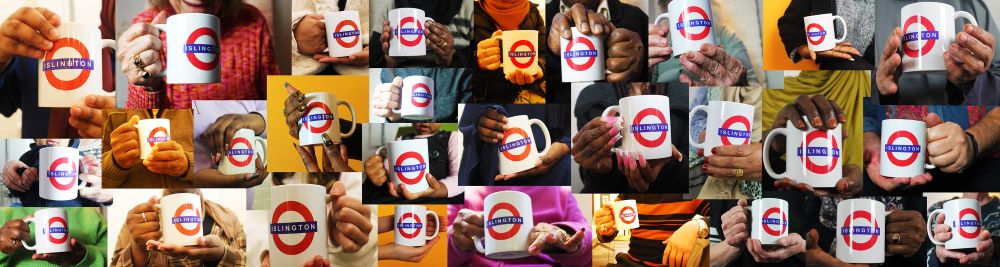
(507, 13)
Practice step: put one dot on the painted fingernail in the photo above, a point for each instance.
(533, 248)
(613, 131)
(842, 118)
(832, 123)
(286, 84)
(800, 124)
(817, 122)
(612, 141)
(714, 150)
(642, 161)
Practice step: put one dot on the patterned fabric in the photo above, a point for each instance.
(858, 16)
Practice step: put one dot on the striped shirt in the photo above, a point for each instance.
(659, 216)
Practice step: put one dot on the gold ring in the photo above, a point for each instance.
(138, 61)
(738, 172)
(896, 238)
(144, 217)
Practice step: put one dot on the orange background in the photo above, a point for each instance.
(438, 256)
(775, 57)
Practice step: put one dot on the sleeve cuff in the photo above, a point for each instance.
(139, 98)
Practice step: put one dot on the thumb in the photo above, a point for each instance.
(291, 89)
(497, 34)
(133, 120)
(397, 82)
(160, 18)
(338, 189)
(812, 238)
(315, 16)
(742, 203)
(100, 102)
(932, 119)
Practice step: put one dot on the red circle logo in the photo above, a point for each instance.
(83, 63)
(627, 215)
(57, 226)
(180, 220)
(807, 152)
(158, 135)
(850, 229)
(417, 31)
(420, 91)
(911, 38)
(705, 22)
(891, 148)
(55, 175)
(341, 35)
(409, 220)
(244, 150)
(772, 218)
(324, 115)
(514, 220)
(521, 140)
(659, 125)
(726, 131)
(192, 48)
(514, 53)
(963, 223)
(307, 226)
(815, 34)
(589, 52)
(417, 165)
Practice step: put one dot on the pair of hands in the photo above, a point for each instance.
(908, 224)
(736, 230)
(334, 154)
(948, 147)
(375, 170)
(624, 48)
(711, 65)
(217, 137)
(142, 41)
(490, 128)
(968, 57)
(982, 255)
(843, 50)
(143, 225)
(14, 233)
(393, 251)
(310, 37)
(437, 36)
(488, 57)
(167, 157)
(543, 237)
(726, 159)
(593, 146)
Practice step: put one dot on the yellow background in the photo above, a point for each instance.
(775, 57)
(282, 156)
(438, 256)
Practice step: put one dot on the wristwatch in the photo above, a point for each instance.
(702, 225)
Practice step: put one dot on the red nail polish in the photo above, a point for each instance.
(715, 150)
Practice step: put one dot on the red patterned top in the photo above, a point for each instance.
(247, 58)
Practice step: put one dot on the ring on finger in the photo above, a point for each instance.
(144, 217)
(144, 74)
(137, 61)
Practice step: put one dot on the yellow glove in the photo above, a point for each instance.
(488, 52)
(519, 77)
(681, 244)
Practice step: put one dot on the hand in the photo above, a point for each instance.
(310, 34)
(356, 59)
(788, 246)
(713, 67)
(350, 221)
(168, 158)
(488, 52)
(848, 186)
(981, 256)
(143, 228)
(390, 62)
(143, 41)
(910, 226)
(375, 170)
(888, 71)
(586, 21)
(872, 159)
(386, 97)
(948, 147)
(89, 119)
(640, 172)
(209, 249)
(125, 144)
(334, 157)
(843, 50)
(604, 220)
(212, 177)
(29, 32)
(969, 56)
(316, 261)
(727, 159)
(545, 237)
(220, 133)
(520, 77)
(815, 256)
(593, 143)
(295, 107)
(76, 254)
(625, 52)
(439, 41)
(19, 182)
(734, 225)
(822, 113)
(659, 45)
(435, 189)
(542, 166)
(93, 189)
(12, 236)
(393, 251)
(491, 126)
(468, 223)
(680, 244)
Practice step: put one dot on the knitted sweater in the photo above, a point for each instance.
(139, 176)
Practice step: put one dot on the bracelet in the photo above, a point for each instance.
(974, 144)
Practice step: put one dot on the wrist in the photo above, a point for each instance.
(974, 149)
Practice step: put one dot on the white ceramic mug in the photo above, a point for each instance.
(626, 214)
(582, 58)
(298, 225)
(416, 100)
(644, 124)
(244, 149)
(59, 173)
(507, 217)
(928, 29)
(963, 216)
(518, 149)
(812, 156)
(51, 231)
(411, 222)
(904, 148)
(820, 33)
(181, 217)
(859, 233)
(520, 51)
(73, 68)
(728, 123)
(152, 132)
(343, 33)
(321, 117)
(193, 48)
(769, 220)
(690, 23)
(408, 29)
(410, 164)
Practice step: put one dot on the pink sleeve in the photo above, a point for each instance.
(455, 150)
(139, 98)
(456, 256)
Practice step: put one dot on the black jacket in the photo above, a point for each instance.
(791, 27)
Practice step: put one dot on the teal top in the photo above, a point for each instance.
(86, 225)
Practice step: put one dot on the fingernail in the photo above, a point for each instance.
(714, 150)
(326, 141)
(533, 248)
(286, 84)
(817, 122)
(842, 118)
(832, 122)
(642, 161)
(613, 131)
(583, 26)
(613, 140)
(799, 124)
(53, 32)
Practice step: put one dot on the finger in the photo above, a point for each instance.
(892, 43)
(970, 63)
(19, 30)
(580, 18)
(825, 109)
(21, 49)
(41, 19)
(805, 104)
(981, 35)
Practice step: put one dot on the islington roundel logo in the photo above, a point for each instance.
(727, 131)
(504, 215)
(967, 223)
(808, 153)
(627, 215)
(348, 37)
(409, 225)
(304, 224)
(82, 62)
(815, 34)
(894, 148)
(240, 148)
(774, 222)
(913, 35)
(158, 135)
(187, 219)
(62, 178)
(421, 95)
(851, 230)
(203, 43)
(704, 22)
(649, 122)
(58, 231)
(416, 31)
(411, 163)
(318, 117)
(587, 52)
(529, 52)
(515, 139)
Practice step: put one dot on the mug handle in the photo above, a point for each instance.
(694, 142)
(843, 25)
(479, 244)
(664, 16)
(613, 109)
(162, 28)
(263, 147)
(966, 16)
(545, 132)
(436, 220)
(767, 150)
(354, 121)
(25, 244)
(932, 217)
(336, 249)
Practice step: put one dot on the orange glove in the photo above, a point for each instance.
(488, 52)
(168, 158)
(680, 245)
(125, 144)
(519, 77)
